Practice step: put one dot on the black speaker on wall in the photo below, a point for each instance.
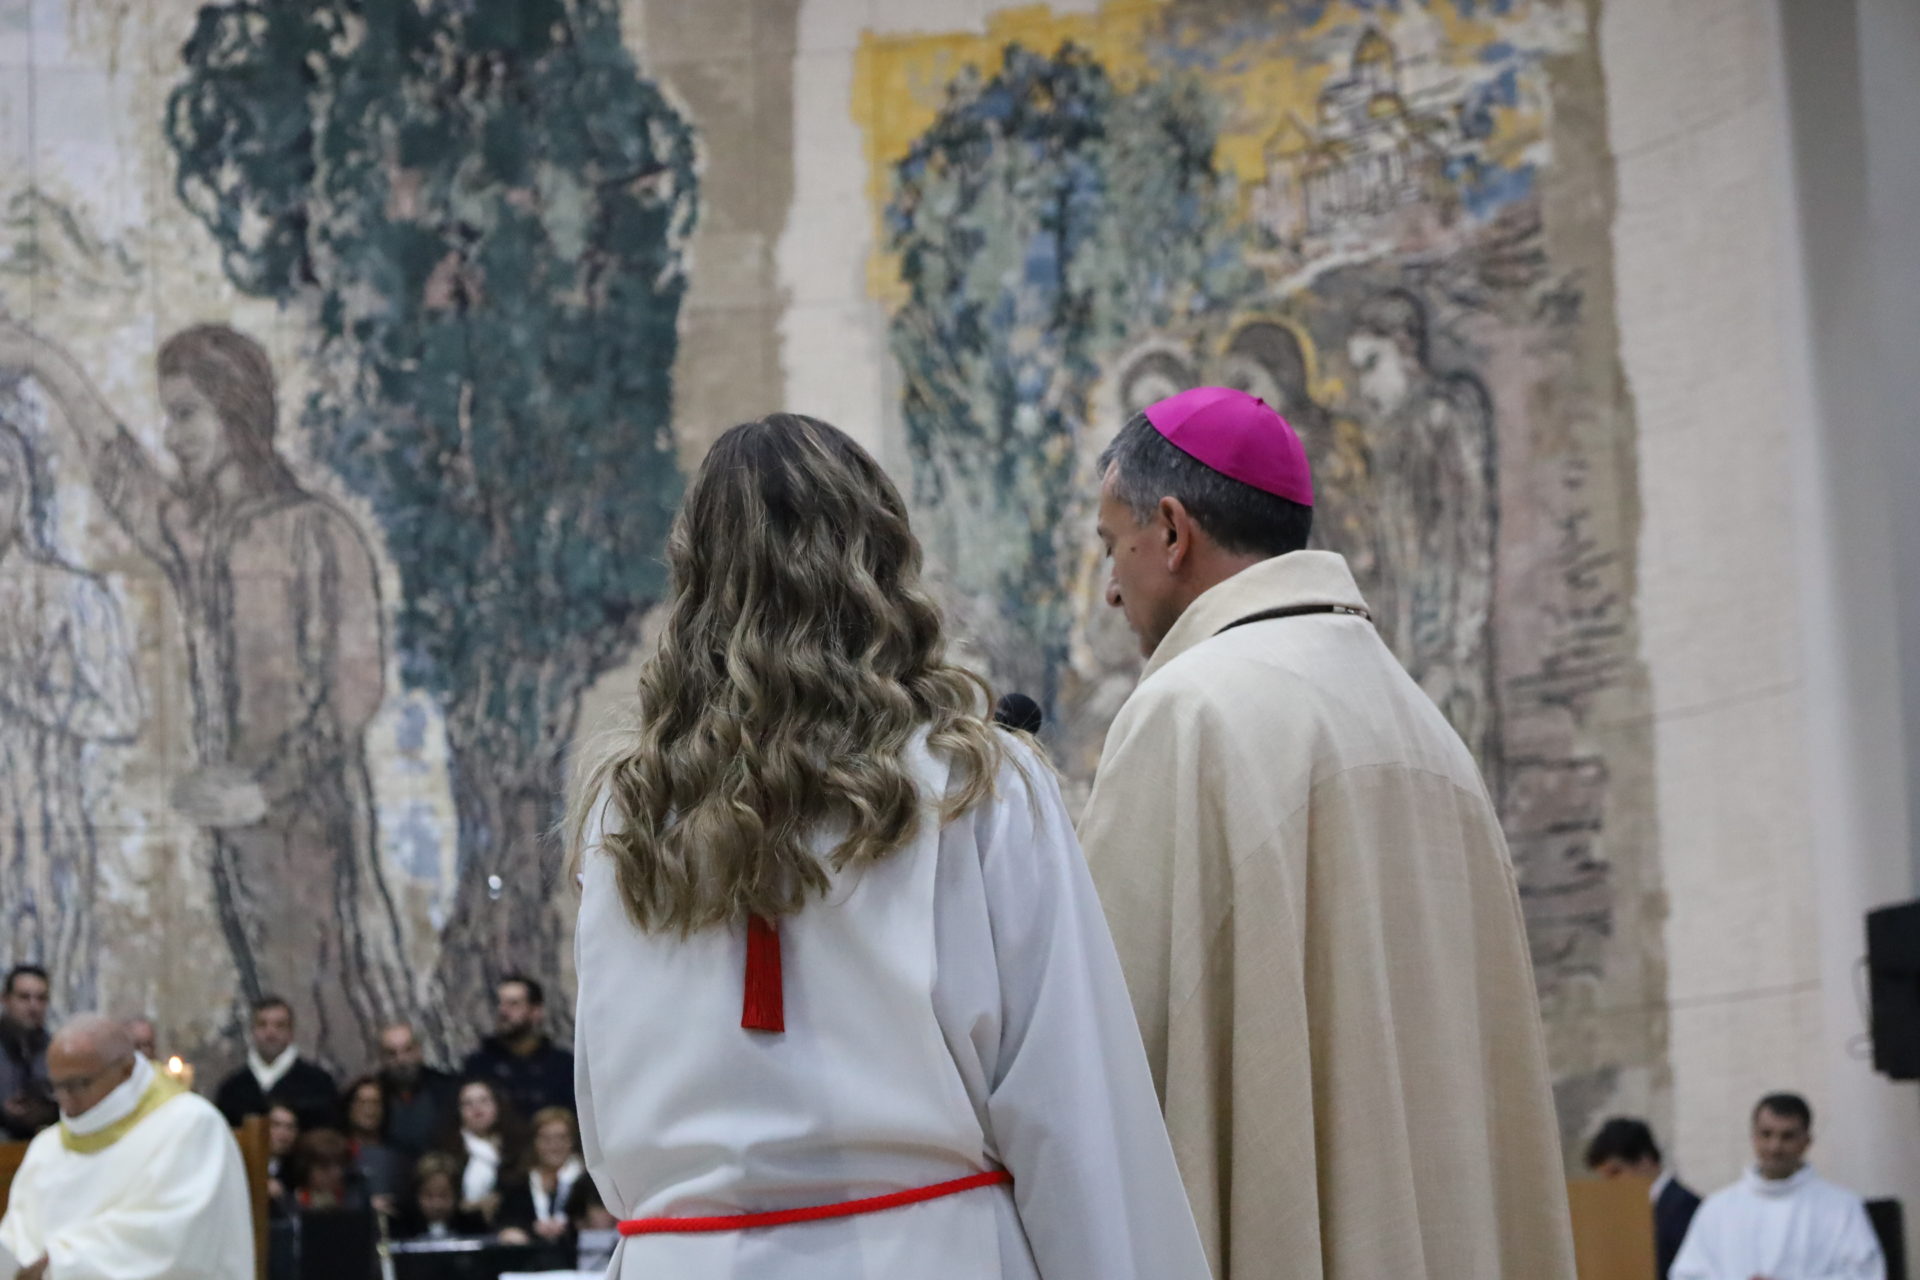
(1893, 968)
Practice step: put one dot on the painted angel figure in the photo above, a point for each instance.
(1437, 508)
(67, 681)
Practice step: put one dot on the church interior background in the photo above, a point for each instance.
(1532, 277)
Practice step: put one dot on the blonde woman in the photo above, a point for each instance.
(534, 1207)
(848, 1006)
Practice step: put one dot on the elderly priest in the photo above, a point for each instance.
(140, 1179)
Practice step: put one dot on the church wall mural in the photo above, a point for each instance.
(475, 217)
(352, 354)
(1389, 220)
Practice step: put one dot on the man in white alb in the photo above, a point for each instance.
(1781, 1221)
(140, 1180)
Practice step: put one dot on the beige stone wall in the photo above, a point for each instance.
(1744, 632)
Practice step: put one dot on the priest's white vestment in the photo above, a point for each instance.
(1321, 929)
(158, 1194)
(1798, 1228)
(953, 1009)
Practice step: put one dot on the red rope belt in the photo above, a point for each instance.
(786, 1217)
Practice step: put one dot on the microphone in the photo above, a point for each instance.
(1018, 711)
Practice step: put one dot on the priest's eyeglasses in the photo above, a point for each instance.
(75, 1085)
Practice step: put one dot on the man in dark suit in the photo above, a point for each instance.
(421, 1100)
(1624, 1148)
(275, 1073)
(522, 1061)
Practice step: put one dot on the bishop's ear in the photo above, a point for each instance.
(1177, 530)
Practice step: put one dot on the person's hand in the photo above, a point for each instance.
(514, 1235)
(550, 1228)
(220, 795)
(274, 1190)
(384, 1205)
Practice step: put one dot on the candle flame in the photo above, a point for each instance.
(175, 1066)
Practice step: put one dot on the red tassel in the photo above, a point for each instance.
(764, 1007)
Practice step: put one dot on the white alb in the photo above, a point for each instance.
(955, 1008)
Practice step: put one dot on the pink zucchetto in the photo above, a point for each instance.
(1239, 436)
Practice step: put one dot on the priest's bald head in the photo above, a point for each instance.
(1195, 489)
(90, 1057)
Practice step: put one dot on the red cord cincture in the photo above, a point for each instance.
(817, 1213)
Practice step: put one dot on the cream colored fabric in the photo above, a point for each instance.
(1321, 931)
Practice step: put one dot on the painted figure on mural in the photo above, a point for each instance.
(66, 681)
(1436, 511)
(1267, 358)
(286, 648)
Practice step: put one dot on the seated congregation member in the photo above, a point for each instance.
(381, 1169)
(836, 939)
(595, 1231)
(139, 1179)
(1781, 1221)
(146, 1040)
(433, 1211)
(283, 1135)
(521, 1060)
(26, 1106)
(486, 1140)
(275, 1072)
(1624, 1148)
(323, 1173)
(421, 1100)
(534, 1206)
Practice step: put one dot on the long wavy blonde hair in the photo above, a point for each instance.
(800, 657)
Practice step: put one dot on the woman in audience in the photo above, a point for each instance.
(283, 1131)
(323, 1176)
(433, 1212)
(535, 1208)
(485, 1141)
(594, 1226)
(381, 1169)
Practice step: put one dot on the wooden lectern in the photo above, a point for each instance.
(1612, 1228)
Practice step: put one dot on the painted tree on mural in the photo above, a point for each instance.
(484, 206)
(1046, 215)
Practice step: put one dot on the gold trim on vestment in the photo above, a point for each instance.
(163, 1089)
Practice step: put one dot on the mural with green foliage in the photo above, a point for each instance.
(1046, 216)
(482, 208)
(1380, 218)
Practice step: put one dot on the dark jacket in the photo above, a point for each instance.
(23, 1075)
(543, 1078)
(383, 1170)
(418, 1115)
(1672, 1215)
(517, 1207)
(307, 1089)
